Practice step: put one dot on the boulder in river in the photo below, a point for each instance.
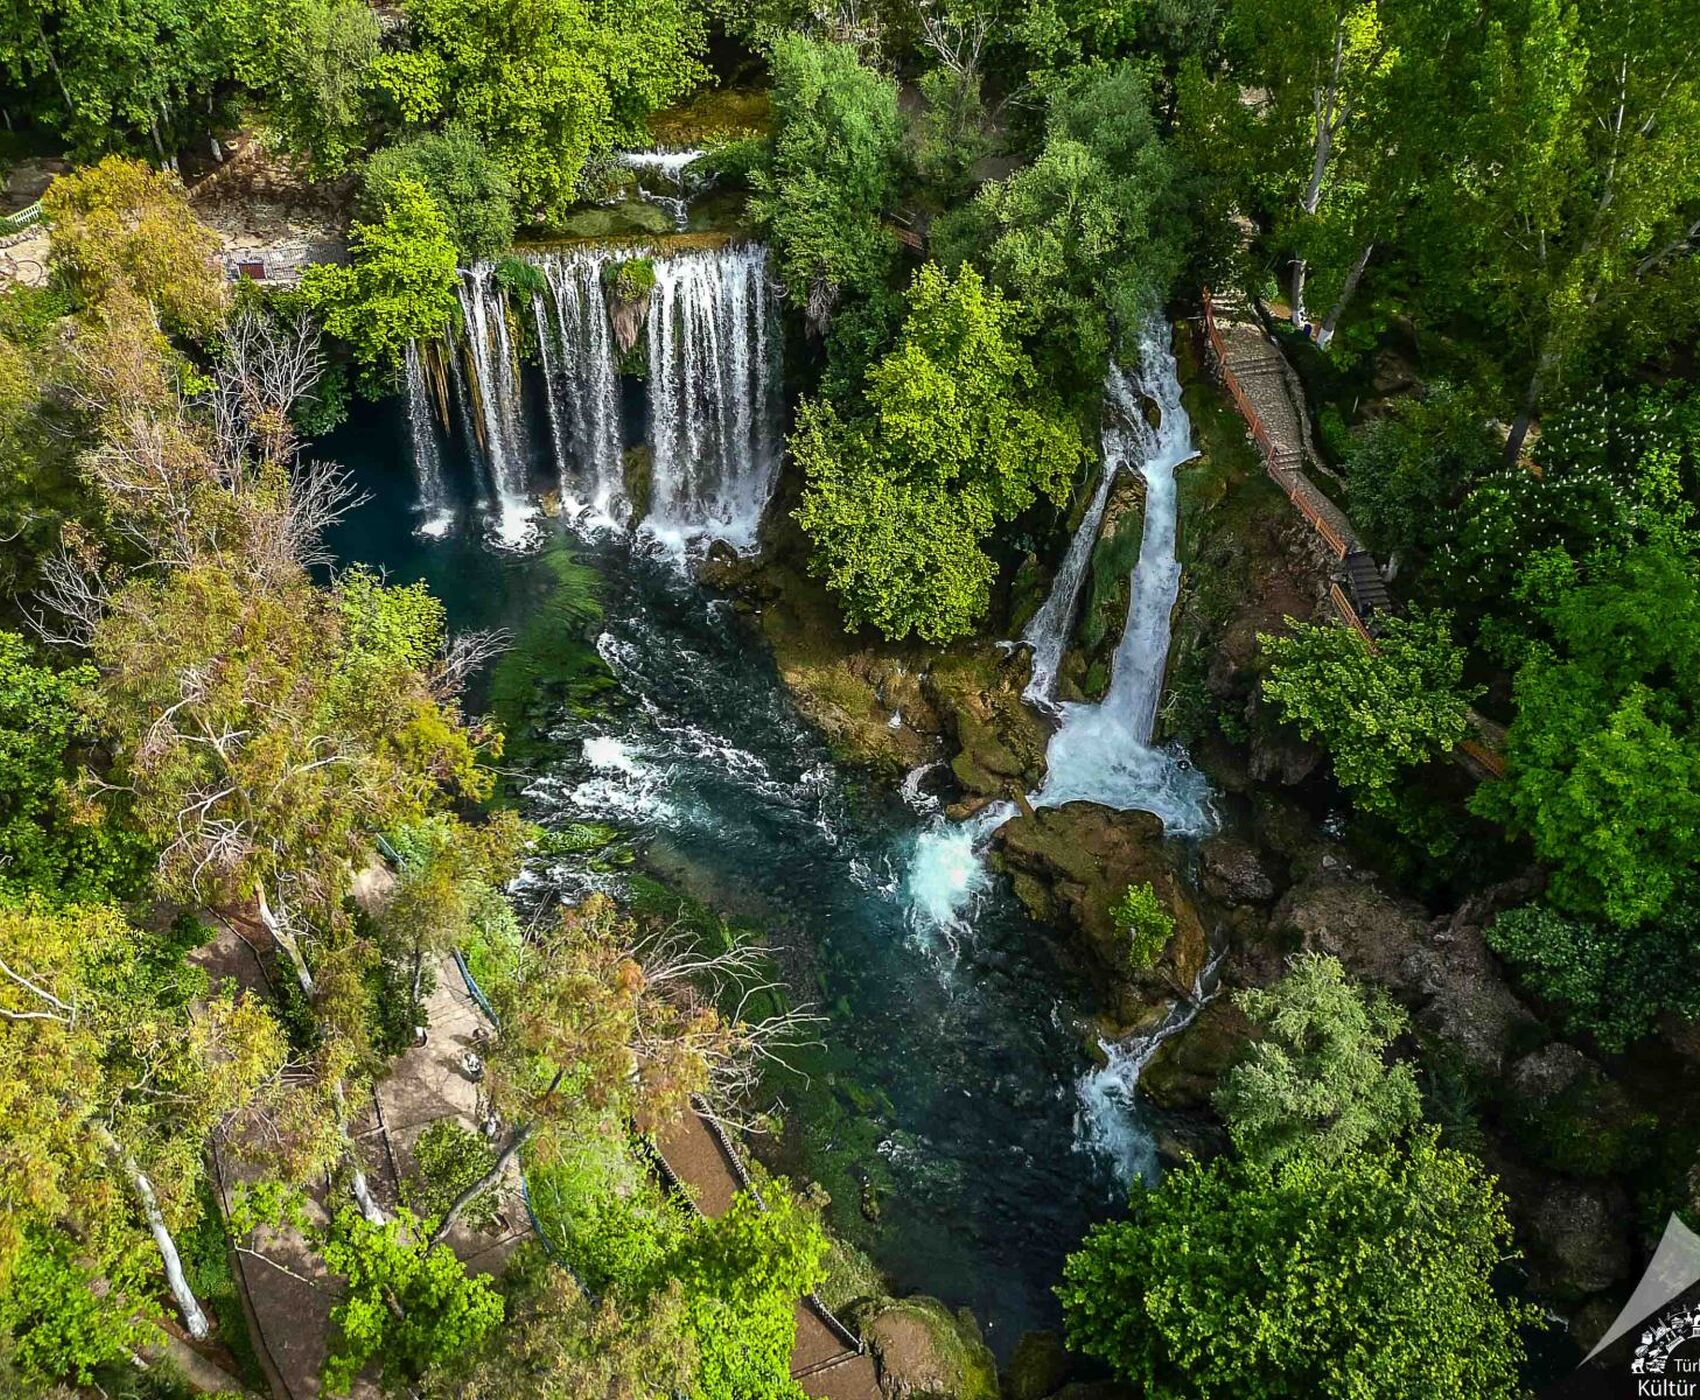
(1070, 864)
(927, 1352)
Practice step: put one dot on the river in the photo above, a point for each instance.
(951, 1107)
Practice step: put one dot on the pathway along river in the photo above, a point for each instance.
(953, 1076)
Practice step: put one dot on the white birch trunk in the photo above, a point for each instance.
(285, 940)
(1326, 335)
(357, 1184)
(1300, 270)
(193, 1318)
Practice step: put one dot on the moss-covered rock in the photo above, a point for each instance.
(637, 472)
(1070, 865)
(927, 1352)
(1085, 672)
(1186, 1068)
(621, 219)
(975, 688)
(1568, 1114)
(1038, 1368)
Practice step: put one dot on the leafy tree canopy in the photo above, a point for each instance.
(1603, 757)
(1304, 1280)
(471, 189)
(310, 61)
(546, 84)
(901, 496)
(402, 284)
(1316, 1084)
(1087, 240)
(831, 174)
(1378, 711)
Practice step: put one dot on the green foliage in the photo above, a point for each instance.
(521, 278)
(900, 497)
(61, 1323)
(450, 1157)
(1145, 922)
(742, 1274)
(1407, 470)
(950, 135)
(54, 843)
(1308, 1279)
(309, 60)
(1611, 983)
(836, 152)
(1087, 240)
(401, 286)
(471, 188)
(1379, 712)
(1316, 1084)
(545, 84)
(1603, 757)
(633, 279)
(409, 1304)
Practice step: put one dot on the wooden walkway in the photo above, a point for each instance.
(1267, 393)
(827, 1360)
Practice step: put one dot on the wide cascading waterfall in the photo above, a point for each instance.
(713, 372)
(583, 382)
(427, 457)
(495, 372)
(1103, 753)
(1049, 631)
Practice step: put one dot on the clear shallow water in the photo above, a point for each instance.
(950, 1082)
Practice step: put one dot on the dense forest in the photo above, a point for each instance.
(266, 807)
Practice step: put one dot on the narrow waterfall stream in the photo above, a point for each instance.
(433, 507)
(1103, 753)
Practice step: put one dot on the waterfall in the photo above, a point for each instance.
(672, 168)
(496, 384)
(1108, 1121)
(713, 343)
(713, 370)
(583, 388)
(1102, 753)
(427, 460)
(1052, 626)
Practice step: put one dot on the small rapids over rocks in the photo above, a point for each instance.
(538, 377)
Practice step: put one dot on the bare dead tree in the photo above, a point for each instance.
(463, 654)
(957, 43)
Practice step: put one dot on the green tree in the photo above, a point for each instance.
(1087, 240)
(1378, 711)
(1603, 756)
(310, 61)
(546, 84)
(1573, 204)
(401, 286)
(831, 174)
(742, 1275)
(1143, 920)
(463, 180)
(1316, 1084)
(1317, 1278)
(1406, 471)
(409, 1302)
(115, 1066)
(121, 74)
(119, 225)
(1610, 984)
(901, 496)
(54, 843)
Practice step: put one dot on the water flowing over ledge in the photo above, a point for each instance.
(711, 421)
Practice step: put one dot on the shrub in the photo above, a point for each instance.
(1145, 923)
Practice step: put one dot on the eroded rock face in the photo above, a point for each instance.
(1441, 970)
(1069, 865)
(1235, 873)
(1184, 1072)
(1574, 1233)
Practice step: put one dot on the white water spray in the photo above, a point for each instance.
(1049, 632)
(713, 372)
(495, 367)
(1108, 1121)
(583, 385)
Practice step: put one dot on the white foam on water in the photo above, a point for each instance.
(947, 868)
